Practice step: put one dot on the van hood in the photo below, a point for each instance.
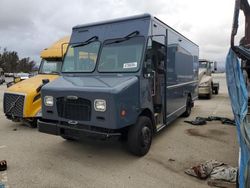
(30, 85)
(119, 92)
(110, 84)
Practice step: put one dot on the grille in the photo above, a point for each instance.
(13, 104)
(74, 109)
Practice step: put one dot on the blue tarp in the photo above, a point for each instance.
(239, 101)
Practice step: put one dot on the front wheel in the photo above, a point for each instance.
(140, 136)
(209, 96)
(33, 123)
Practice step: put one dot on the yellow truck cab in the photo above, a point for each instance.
(22, 101)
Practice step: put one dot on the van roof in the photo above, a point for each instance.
(135, 17)
(113, 20)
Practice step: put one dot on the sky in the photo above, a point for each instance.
(29, 26)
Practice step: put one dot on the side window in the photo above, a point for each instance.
(172, 76)
(155, 55)
(148, 65)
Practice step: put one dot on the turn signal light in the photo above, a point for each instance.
(123, 113)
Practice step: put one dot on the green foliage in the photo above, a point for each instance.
(10, 62)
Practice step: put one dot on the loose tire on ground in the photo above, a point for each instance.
(140, 136)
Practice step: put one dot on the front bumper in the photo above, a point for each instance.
(21, 119)
(204, 90)
(75, 131)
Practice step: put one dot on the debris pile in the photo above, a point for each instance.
(220, 174)
(203, 120)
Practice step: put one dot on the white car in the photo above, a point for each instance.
(22, 76)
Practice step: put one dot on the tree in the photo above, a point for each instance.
(10, 62)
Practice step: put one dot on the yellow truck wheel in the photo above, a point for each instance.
(33, 124)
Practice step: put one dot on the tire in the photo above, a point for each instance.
(68, 138)
(216, 91)
(209, 96)
(124, 137)
(188, 107)
(140, 136)
(33, 124)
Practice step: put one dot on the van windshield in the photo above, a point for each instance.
(81, 57)
(50, 66)
(121, 55)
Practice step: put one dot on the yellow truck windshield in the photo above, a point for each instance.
(50, 66)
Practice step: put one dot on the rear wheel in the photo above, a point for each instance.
(188, 107)
(140, 136)
(216, 91)
(68, 138)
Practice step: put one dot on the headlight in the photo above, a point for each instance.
(48, 101)
(100, 105)
(204, 84)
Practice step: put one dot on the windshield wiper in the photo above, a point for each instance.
(92, 39)
(129, 36)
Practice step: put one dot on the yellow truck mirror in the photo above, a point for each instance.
(17, 79)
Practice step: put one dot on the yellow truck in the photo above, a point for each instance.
(22, 101)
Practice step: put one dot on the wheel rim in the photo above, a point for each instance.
(146, 136)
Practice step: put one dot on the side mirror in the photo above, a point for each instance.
(45, 81)
(17, 79)
(215, 66)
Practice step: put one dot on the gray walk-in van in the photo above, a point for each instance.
(126, 77)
